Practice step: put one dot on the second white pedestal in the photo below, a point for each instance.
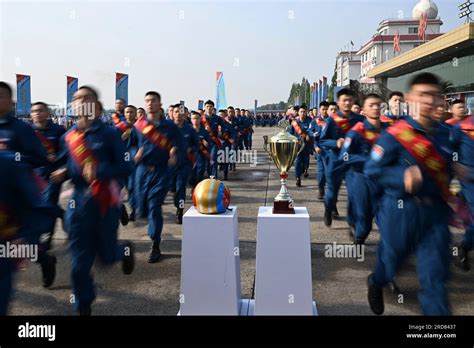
(210, 264)
(283, 284)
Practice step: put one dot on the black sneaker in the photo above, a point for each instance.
(375, 297)
(132, 216)
(327, 218)
(226, 176)
(298, 182)
(179, 216)
(128, 262)
(321, 195)
(48, 268)
(123, 215)
(155, 253)
(335, 213)
(462, 260)
(305, 174)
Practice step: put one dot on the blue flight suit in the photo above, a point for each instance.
(320, 173)
(227, 130)
(23, 215)
(131, 148)
(464, 146)
(362, 194)
(201, 161)
(303, 157)
(153, 175)
(235, 122)
(328, 143)
(20, 139)
(184, 169)
(90, 232)
(412, 222)
(214, 122)
(53, 133)
(250, 133)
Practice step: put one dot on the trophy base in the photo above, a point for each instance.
(283, 207)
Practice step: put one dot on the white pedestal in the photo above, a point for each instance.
(283, 284)
(210, 264)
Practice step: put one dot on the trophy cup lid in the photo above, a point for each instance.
(283, 136)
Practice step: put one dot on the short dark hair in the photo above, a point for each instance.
(6, 86)
(303, 106)
(371, 96)
(195, 113)
(457, 101)
(153, 93)
(345, 91)
(141, 109)
(324, 103)
(395, 94)
(90, 89)
(237, 109)
(230, 107)
(333, 104)
(357, 103)
(43, 104)
(209, 102)
(132, 106)
(425, 79)
(121, 99)
(223, 111)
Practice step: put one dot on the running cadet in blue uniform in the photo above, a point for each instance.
(354, 154)
(94, 159)
(158, 155)
(331, 141)
(411, 165)
(300, 128)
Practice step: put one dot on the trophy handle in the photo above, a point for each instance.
(265, 144)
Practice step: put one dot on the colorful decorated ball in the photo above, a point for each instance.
(211, 196)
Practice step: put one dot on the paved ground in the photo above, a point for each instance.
(339, 285)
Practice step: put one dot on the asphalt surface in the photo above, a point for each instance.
(339, 284)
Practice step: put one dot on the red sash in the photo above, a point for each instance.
(368, 135)
(342, 123)
(152, 134)
(107, 193)
(320, 122)
(452, 121)
(467, 126)
(425, 154)
(209, 130)
(203, 150)
(299, 130)
(386, 119)
(226, 136)
(116, 118)
(47, 144)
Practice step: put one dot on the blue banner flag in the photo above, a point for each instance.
(121, 87)
(71, 88)
(200, 104)
(221, 103)
(23, 95)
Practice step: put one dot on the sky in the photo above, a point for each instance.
(176, 47)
